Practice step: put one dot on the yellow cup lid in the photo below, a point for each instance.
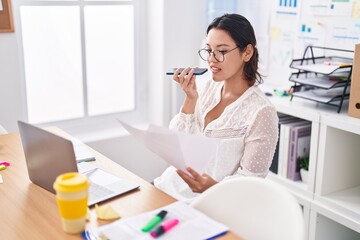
(71, 182)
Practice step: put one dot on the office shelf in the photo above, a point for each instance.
(323, 79)
(298, 188)
(332, 192)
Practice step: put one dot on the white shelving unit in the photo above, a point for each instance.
(331, 197)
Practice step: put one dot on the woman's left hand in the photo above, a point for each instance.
(197, 183)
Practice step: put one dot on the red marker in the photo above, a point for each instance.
(164, 227)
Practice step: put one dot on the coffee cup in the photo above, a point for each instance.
(72, 198)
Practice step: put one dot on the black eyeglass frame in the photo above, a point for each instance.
(223, 52)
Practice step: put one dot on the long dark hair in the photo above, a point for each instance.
(242, 33)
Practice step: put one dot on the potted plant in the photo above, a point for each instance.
(304, 167)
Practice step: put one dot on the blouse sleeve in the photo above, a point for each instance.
(184, 123)
(260, 144)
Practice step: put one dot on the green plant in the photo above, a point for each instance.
(303, 162)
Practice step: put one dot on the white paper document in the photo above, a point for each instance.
(193, 224)
(82, 153)
(178, 149)
(318, 68)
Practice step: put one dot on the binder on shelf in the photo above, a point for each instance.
(284, 145)
(282, 120)
(354, 104)
(299, 148)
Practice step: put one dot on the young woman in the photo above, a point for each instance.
(231, 107)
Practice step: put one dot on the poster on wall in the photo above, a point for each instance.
(343, 36)
(329, 8)
(284, 20)
(310, 32)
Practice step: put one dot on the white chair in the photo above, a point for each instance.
(254, 209)
(2, 130)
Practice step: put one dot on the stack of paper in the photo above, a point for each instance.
(178, 149)
(321, 68)
(192, 225)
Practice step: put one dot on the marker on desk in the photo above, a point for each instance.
(6, 164)
(282, 93)
(154, 221)
(164, 227)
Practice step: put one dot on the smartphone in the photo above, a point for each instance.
(198, 71)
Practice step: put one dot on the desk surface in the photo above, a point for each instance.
(30, 212)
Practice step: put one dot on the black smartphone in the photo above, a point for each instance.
(198, 71)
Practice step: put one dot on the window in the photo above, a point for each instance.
(80, 59)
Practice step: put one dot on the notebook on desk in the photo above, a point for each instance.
(193, 224)
(49, 155)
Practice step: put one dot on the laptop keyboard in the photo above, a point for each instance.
(98, 191)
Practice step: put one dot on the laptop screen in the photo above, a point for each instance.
(48, 155)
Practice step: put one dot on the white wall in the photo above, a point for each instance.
(184, 28)
(10, 84)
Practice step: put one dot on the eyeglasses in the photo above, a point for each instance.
(218, 55)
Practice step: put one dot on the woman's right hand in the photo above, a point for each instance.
(186, 80)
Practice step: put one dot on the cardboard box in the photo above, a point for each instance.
(354, 104)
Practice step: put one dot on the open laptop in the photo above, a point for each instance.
(49, 155)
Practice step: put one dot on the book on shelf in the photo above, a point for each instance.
(275, 162)
(299, 148)
(284, 145)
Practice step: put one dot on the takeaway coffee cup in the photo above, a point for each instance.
(72, 198)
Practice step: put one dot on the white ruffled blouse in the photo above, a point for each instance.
(248, 133)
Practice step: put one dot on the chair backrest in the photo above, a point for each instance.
(2, 130)
(253, 208)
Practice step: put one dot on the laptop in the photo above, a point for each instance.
(49, 155)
